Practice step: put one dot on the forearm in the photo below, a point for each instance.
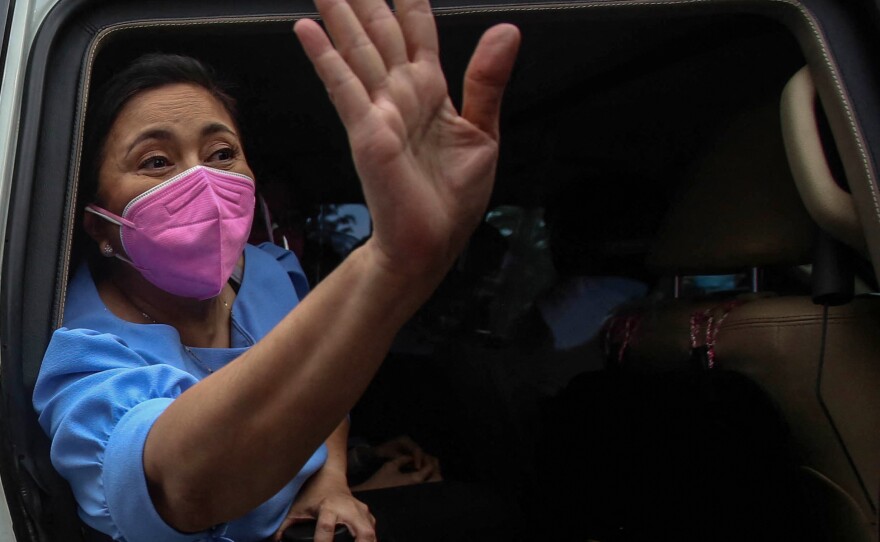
(248, 429)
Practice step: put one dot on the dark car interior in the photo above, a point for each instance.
(637, 144)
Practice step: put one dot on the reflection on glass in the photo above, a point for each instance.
(331, 234)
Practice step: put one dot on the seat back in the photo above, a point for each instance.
(817, 365)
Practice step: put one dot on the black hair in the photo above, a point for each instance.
(145, 73)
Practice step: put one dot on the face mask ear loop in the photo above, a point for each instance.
(108, 216)
(113, 219)
(124, 259)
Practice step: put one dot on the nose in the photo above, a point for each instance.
(189, 161)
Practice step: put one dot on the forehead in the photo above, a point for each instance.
(181, 105)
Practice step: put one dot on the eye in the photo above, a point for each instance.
(222, 155)
(155, 162)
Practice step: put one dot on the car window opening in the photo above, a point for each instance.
(633, 315)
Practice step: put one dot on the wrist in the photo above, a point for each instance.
(417, 277)
(330, 476)
(335, 467)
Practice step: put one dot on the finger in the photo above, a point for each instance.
(433, 461)
(384, 30)
(353, 43)
(406, 441)
(346, 90)
(367, 535)
(408, 446)
(325, 528)
(398, 462)
(288, 521)
(388, 450)
(360, 524)
(292, 517)
(397, 446)
(434, 467)
(422, 474)
(419, 29)
(418, 457)
(487, 75)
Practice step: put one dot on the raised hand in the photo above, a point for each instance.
(427, 171)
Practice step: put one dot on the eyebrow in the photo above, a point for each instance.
(215, 127)
(149, 134)
(165, 135)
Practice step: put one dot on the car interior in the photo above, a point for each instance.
(727, 391)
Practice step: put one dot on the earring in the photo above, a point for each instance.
(107, 250)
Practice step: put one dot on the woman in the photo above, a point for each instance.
(178, 411)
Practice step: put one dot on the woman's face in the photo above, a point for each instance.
(162, 132)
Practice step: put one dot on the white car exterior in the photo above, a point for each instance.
(26, 17)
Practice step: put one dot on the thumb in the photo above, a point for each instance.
(487, 75)
(398, 462)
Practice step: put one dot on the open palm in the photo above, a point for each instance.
(427, 171)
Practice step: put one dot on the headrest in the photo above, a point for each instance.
(739, 207)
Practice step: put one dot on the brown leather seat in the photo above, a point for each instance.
(741, 210)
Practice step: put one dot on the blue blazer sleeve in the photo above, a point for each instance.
(97, 399)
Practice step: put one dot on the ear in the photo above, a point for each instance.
(96, 228)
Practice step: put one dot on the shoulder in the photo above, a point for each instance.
(82, 302)
(270, 254)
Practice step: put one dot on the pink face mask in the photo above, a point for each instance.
(186, 234)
